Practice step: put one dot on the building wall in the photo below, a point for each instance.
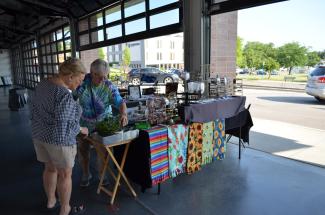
(165, 51)
(115, 53)
(87, 57)
(5, 66)
(223, 45)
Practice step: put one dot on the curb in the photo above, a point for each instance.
(272, 88)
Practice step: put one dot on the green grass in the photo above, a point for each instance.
(298, 77)
(115, 73)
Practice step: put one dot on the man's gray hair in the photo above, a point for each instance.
(99, 65)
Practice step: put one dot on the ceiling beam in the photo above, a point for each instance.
(217, 7)
(99, 3)
(46, 5)
(81, 6)
(13, 11)
(15, 29)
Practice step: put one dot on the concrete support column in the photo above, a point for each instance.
(196, 39)
(74, 34)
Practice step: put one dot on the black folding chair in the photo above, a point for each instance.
(239, 126)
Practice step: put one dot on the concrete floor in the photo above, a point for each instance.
(259, 183)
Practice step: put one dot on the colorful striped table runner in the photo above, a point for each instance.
(159, 154)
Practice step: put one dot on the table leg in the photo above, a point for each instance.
(120, 170)
(102, 174)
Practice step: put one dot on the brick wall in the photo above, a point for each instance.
(87, 57)
(223, 45)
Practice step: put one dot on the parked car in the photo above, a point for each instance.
(244, 71)
(151, 75)
(316, 83)
(260, 72)
(175, 71)
(274, 72)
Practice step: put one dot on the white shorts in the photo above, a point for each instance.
(59, 156)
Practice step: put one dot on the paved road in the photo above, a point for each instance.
(290, 107)
(287, 124)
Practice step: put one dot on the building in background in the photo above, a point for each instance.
(168, 51)
(161, 52)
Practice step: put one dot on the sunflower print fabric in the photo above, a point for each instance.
(219, 147)
(177, 149)
(194, 149)
(207, 145)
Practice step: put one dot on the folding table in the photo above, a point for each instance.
(101, 150)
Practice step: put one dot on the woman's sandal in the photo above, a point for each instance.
(55, 208)
(75, 210)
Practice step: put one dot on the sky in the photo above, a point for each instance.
(301, 21)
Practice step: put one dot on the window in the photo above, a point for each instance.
(158, 3)
(113, 14)
(96, 20)
(159, 56)
(171, 56)
(30, 59)
(135, 26)
(159, 44)
(83, 25)
(134, 7)
(108, 26)
(172, 44)
(97, 36)
(163, 19)
(114, 32)
(56, 47)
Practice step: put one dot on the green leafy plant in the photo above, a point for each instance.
(108, 126)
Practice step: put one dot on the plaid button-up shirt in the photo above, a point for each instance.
(54, 114)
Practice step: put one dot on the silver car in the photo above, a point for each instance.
(316, 83)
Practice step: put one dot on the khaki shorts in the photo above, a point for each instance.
(59, 156)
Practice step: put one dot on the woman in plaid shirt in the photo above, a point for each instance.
(55, 124)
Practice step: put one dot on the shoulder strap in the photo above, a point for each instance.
(93, 100)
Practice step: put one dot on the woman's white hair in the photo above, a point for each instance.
(99, 66)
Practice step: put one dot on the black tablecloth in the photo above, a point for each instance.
(137, 164)
(219, 109)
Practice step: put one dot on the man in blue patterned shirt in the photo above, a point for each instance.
(97, 96)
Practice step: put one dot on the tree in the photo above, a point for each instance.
(258, 54)
(126, 60)
(312, 58)
(321, 55)
(270, 64)
(292, 54)
(240, 59)
(101, 54)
